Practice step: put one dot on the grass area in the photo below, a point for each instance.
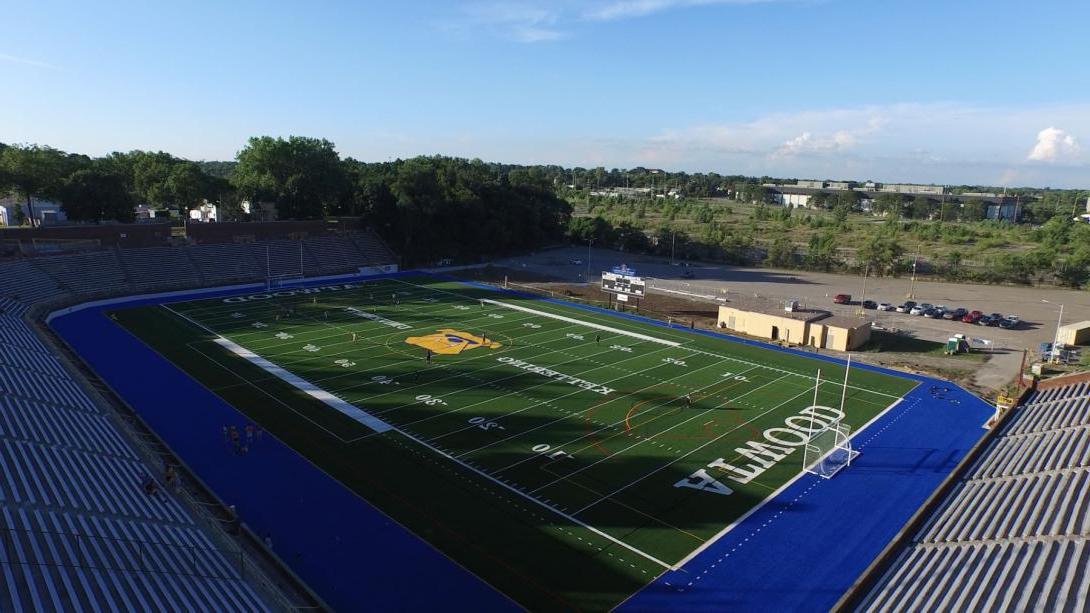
(882, 341)
(569, 456)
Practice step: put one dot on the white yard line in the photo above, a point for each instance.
(296, 381)
(644, 440)
(588, 324)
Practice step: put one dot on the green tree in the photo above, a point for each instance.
(972, 210)
(302, 176)
(781, 253)
(881, 253)
(849, 198)
(821, 253)
(94, 195)
(35, 172)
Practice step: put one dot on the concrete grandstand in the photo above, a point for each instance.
(87, 520)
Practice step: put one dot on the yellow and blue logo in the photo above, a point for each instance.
(449, 342)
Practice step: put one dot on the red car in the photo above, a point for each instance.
(972, 317)
(842, 298)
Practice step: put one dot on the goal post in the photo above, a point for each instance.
(829, 450)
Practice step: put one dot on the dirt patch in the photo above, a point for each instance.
(704, 315)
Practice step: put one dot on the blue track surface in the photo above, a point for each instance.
(351, 554)
(800, 551)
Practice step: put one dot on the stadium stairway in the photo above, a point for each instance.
(1013, 534)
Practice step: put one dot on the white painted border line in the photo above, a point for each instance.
(572, 320)
(308, 388)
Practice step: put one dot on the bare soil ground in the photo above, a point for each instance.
(963, 370)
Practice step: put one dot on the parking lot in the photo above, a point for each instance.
(1038, 307)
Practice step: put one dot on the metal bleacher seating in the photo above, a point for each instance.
(77, 529)
(90, 273)
(159, 267)
(1013, 534)
(23, 283)
(226, 262)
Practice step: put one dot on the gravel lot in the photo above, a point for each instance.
(1038, 307)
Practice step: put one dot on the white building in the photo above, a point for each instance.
(46, 212)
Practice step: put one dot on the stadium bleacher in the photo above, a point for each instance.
(226, 262)
(24, 284)
(159, 267)
(79, 532)
(1013, 533)
(90, 273)
(118, 271)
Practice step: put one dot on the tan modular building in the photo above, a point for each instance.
(839, 333)
(1075, 334)
(814, 328)
(768, 323)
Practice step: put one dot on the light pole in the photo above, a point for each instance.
(590, 242)
(912, 283)
(862, 298)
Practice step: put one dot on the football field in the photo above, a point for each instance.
(585, 451)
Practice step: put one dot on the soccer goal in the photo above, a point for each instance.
(829, 450)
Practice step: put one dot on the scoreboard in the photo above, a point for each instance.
(617, 283)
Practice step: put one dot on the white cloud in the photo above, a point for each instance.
(533, 21)
(13, 59)
(628, 9)
(1053, 145)
(523, 23)
(935, 142)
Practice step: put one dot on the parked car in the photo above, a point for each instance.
(906, 307)
(933, 313)
(576, 262)
(918, 310)
(1010, 322)
(985, 320)
(972, 317)
(996, 318)
(885, 306)
(955, 315)
(869, 304)
(842, 299)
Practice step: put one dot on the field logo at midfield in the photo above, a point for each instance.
(449, 341)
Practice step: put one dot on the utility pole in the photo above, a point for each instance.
(673, 239)
(589, 243)
(912, 283)
(866, 273)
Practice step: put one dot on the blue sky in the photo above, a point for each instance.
(954, 91)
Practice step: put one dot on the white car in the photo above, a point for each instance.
(885, 306)
(917, 310)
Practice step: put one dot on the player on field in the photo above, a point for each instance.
(597, 339)
(427, 356)
(688, 400)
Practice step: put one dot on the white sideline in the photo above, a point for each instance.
(298, 382)
(572, 320)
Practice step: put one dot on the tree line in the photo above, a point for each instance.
(428, 208)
